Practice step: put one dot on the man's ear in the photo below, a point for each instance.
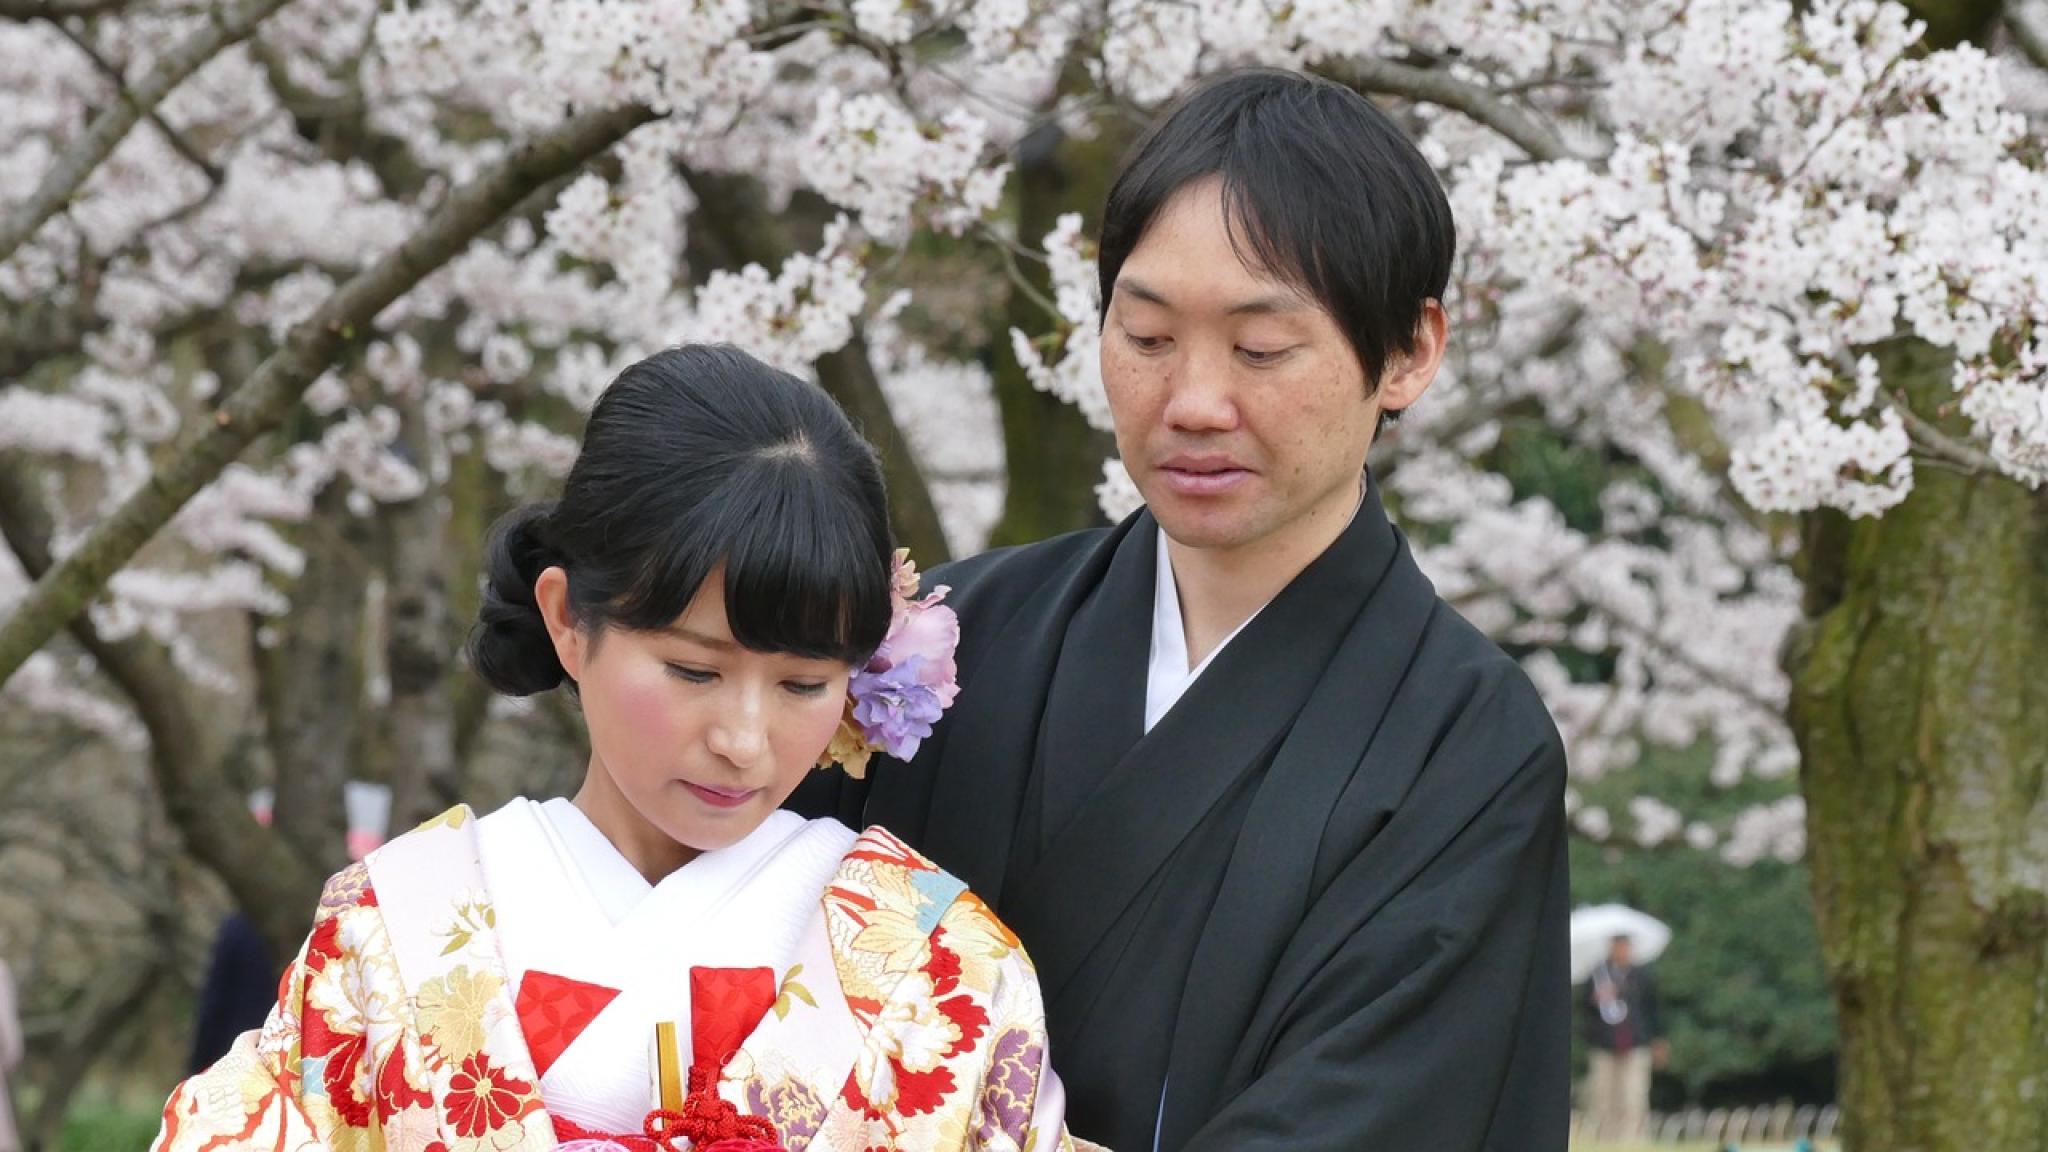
(1410, 375)
(551, 592)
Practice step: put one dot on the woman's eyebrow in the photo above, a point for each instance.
(695, 637)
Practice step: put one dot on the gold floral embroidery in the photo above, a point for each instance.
(791, 991)
(475, 916)
(455, 817)
(452, 1009)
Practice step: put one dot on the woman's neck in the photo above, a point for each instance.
(648, 849)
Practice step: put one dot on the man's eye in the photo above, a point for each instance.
(1145, 343)
(692, 675)
(1257, 356)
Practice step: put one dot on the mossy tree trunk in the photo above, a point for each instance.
(419, 642)
(311, 685)
(1052, 457)
(1920, 703)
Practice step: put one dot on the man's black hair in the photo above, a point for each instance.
(1320, 190)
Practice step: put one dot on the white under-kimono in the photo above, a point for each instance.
(513, 982)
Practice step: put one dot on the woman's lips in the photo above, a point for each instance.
(721, 797)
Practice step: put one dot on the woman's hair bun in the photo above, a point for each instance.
(510, 647)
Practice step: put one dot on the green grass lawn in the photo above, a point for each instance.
(106, 1128)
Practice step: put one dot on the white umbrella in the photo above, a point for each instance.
(1595, 927)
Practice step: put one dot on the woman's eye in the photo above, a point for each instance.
(1257, 356)
(805, 689)
(691, 675)
(1145, 343)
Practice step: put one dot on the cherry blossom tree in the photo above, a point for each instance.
(295, 292)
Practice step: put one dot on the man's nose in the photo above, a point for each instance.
(1200, 394)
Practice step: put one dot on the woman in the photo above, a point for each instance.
(669, 961)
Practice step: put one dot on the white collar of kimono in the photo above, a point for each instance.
(568, 903)
(1168, 677)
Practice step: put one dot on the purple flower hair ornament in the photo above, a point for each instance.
(894, 699)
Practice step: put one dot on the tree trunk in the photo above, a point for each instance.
(269, 881)
(850, 377)
(1921, 710)
(1053, 458)
(312, 685)
(421, 719)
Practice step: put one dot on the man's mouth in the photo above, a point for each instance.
(1203, 475)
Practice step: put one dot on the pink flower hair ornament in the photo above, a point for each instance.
(911, 679)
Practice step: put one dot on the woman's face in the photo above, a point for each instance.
(694, 740)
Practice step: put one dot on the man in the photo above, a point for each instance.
(1625, 1039)
(1283, 834)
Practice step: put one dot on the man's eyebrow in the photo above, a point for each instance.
(1268, 305)
(713, 642)
(1143, 291)
(1273, 303)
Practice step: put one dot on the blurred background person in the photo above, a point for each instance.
(1626, 1043)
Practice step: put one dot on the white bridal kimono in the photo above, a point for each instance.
(512, 982)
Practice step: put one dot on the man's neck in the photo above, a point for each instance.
(1219, 589)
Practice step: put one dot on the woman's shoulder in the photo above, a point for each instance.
(457, 827)
(883, 854)
(883, 872)
(345, 891)
(354, 888)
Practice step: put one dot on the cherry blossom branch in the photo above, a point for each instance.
(112, 126)
(1648, 637)
(1009, 251)
(273, 391)
(1934, 442)
(267, 878)
(1685, 660)
(106, 68)
(1432, 86)
(55, 10)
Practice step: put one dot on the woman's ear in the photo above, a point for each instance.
(551, 592)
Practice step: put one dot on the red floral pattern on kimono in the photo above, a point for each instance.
(911, 1019)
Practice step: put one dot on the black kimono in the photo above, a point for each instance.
(1321, 905)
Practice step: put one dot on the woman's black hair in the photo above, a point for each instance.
(1320, 189)
(695, 457)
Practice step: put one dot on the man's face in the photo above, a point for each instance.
(1620, 952)
(1241, 410)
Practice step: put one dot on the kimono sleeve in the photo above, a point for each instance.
(258, 1095)
(1021, 1106)
(1442, 1022)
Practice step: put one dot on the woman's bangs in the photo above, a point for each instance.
(801, 576)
